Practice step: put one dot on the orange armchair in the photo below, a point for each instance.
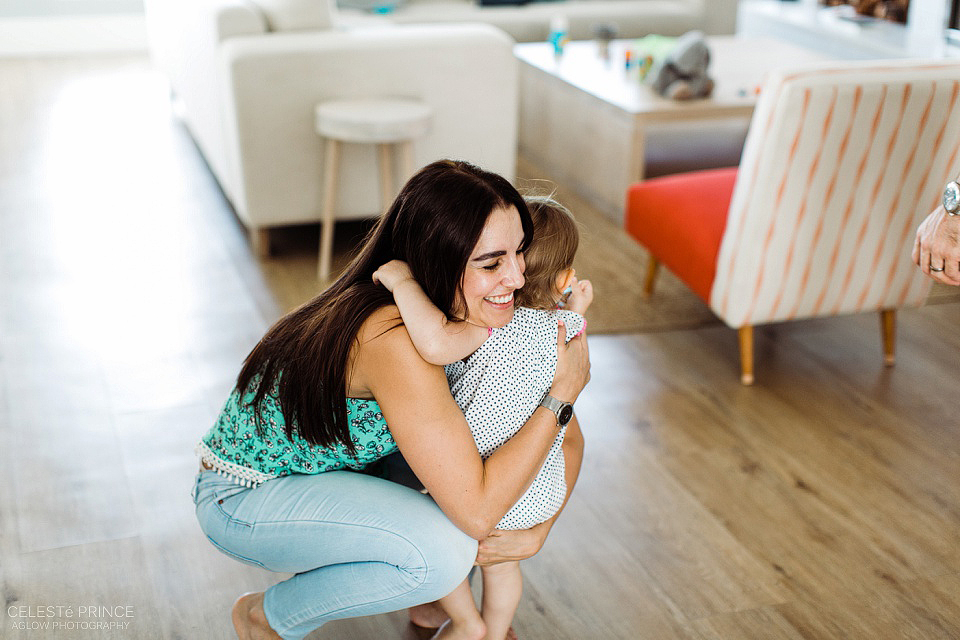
(841, 163)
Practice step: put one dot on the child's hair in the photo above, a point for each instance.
(555, 240)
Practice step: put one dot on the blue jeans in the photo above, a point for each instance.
(359, 545)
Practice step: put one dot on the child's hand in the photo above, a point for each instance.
(392, 273)
(581, 295)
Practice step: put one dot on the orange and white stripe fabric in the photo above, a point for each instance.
(840, 165)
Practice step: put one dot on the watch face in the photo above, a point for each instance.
(951, 198)
(564, 415)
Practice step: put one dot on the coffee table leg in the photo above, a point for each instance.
(638, 162)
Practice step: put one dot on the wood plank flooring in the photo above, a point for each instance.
(824, 502)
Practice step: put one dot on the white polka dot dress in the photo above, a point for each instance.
(500, 386)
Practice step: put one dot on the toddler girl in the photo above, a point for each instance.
(499, 376)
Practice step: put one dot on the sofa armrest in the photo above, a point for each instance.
(176, 27)
(238, 18)
(185, 37)
(271, 85)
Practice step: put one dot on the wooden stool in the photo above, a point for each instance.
(382, 121)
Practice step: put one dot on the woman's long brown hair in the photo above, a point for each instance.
(433, 225)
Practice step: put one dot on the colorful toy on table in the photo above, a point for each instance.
(681, 73)
(646, 51)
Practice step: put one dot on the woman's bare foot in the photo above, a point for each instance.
(428, 616)
(249, 619)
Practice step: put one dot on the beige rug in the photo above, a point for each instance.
(607, 256)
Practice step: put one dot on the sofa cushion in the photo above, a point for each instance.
(298, 15)
(690, 205)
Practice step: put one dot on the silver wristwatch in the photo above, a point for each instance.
(951, 198)
(563, 410)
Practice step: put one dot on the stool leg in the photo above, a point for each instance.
(406, 159)
(330, 170)
(386, 176)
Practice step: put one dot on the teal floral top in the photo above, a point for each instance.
(236, 448)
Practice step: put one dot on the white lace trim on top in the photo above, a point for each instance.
(238, 473)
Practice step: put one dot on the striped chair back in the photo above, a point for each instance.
(840, 165)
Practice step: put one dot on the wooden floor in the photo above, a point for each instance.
(824, 502)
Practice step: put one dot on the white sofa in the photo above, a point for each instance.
(530, 22)
(247, 95)
(248, 74)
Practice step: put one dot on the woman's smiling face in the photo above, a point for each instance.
(494, 270)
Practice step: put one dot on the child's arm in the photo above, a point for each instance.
(438, 340)
(580, 296)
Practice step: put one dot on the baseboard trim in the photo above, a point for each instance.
(41, 36)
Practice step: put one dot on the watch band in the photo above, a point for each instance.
(563, 410)
(951, 198)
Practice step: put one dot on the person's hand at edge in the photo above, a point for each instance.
(937, 246)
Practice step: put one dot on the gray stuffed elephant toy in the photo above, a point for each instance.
(682, 73)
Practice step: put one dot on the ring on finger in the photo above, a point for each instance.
(940, 270)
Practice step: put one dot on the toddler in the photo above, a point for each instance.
(498, 376)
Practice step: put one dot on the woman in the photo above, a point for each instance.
(315, 396)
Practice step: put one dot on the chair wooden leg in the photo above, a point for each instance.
(745, 334)
(330, 171)
(653, 267)
(888, 328)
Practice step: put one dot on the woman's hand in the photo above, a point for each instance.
(573, 366)
(506, 546)
(392, 274)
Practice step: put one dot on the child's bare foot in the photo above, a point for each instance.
(429, 616)
(249, 619)
(464, 631)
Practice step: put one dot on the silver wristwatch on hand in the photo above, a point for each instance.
(563, 410)
(951, 198)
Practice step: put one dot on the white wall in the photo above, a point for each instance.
(61, 35)
(22, 8)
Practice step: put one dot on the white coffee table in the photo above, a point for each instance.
(586, 123)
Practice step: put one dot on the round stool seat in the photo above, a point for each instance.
(375, 120)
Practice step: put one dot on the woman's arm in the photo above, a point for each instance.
(504, 546)
(433, 435)
(437, 339)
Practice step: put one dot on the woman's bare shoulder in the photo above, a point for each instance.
(384, 328)
(384, 350)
